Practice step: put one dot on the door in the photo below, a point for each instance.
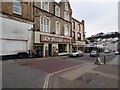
(50, 49)
(40, 50)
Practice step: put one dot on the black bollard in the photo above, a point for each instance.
(104, 59)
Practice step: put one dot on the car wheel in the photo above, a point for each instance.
(77, 55)
(82, 55)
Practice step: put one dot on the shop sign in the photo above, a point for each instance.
(45, 38)
(79, 43)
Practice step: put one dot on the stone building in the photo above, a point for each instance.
(52, 27)
(16, 23)
(78, 35)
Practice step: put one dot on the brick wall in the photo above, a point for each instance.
(27, 12)
(38, 12)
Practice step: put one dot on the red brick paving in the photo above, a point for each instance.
(49, 65)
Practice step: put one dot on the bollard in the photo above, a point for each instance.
(104, 59)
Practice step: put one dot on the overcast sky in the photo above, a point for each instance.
(99, 15)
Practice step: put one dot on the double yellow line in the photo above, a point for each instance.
(46, 83)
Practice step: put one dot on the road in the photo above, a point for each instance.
(31, 73)
(87, 58)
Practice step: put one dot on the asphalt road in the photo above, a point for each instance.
(87, 58)
(31, 73)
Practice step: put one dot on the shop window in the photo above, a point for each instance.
(62, 48)
(17, 8)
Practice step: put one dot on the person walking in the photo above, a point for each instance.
(98, 60)
(37, 52)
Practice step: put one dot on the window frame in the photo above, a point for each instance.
(44, 26)
(65, 30)
(79, 37)
(79, 27)
(57, 13)
(44, 6)
(66, 6)
(73, 24)
(57, 28)
(18, 7)
(66, 16)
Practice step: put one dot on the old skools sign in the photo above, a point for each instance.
(45, 38)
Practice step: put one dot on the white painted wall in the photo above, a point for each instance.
(0, 35)
(15, 36)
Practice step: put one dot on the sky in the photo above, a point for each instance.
(99, 15)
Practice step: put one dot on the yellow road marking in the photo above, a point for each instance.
(46, 83)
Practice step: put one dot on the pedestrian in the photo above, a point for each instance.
(37, 51)
(98, 60)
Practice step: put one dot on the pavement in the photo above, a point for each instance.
(32, 73)
(115, 60)
(92, 76)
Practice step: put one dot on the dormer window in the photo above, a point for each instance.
(66, 16)
(66, 6)
(57, 11)
(45, 5)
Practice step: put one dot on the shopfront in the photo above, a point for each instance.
(53, 45)
(40, 48)
(78, 46)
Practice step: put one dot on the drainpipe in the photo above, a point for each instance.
(33, 26)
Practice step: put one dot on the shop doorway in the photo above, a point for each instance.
(40, 50)
(50, 49)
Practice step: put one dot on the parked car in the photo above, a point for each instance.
(116, 53)
(78, 53)
(107, 51)
(94, 53)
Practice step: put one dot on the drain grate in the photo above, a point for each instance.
(25, 64)
(83, 79)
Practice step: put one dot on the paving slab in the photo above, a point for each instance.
(98, 81)
(75, 73)
(108, 68)
(16, 76)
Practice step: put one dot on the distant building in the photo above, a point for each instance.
(78, 35)
(106, 42)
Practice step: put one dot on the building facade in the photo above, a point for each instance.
(78, 35)
(16, 23)
(52, 28)
(45, 25)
